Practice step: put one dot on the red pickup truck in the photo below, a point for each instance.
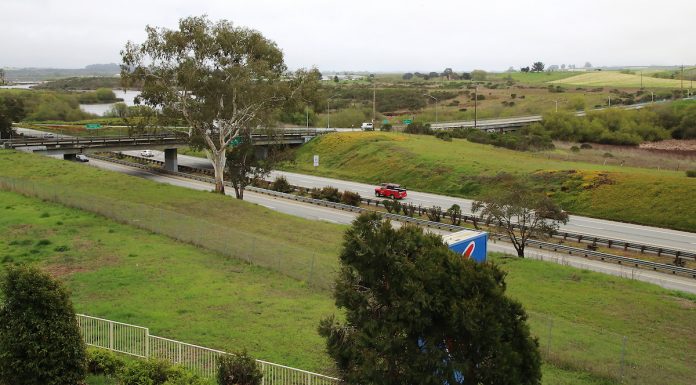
(390, 190)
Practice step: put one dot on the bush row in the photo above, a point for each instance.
(232, 369)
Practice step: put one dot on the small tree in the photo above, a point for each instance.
(455, 214)
(478, 75)
(521, 213)
(238, 369)
(538, 67)
(417, 313)
(40, 341)
(244, 165)
(11, 111)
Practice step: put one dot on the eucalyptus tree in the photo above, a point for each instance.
(219, 79)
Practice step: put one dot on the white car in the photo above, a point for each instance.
(367, 127)
(147, 153)
(81, 158)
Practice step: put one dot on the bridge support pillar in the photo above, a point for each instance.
(70, 157)
(261, 152)
(170, 160)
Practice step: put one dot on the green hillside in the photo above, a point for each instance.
(461, 168)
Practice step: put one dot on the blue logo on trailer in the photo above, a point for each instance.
(472, 248)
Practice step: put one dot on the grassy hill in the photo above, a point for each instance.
(199, 296)
(617, 79)
(461, 168)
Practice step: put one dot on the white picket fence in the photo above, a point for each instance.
(137, 341)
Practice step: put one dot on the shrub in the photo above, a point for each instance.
(238, 369)
(40, 342)
(418, 128)
(691, 173)
(608, 155)
(386, 127)
(392, 206)
(281, 184)
(315, 193)
(575, 149)
(156, 372)
(444, 135)
(585, 146)
(350, 198)
(330, 194)
(434, 214)
(101, 361)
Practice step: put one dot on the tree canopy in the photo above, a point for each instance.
(416, 313)
(220, 79)
(522, 212)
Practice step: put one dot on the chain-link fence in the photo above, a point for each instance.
(645, 359)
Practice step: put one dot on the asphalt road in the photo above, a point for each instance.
(313, 212)
(598, 227)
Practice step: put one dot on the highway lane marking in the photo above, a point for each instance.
(267, 206)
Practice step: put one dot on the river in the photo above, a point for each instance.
(101, 109)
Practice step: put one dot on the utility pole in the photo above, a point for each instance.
(556, 104)
(475, 103)
(609, 101)
(307, 112)
(374, 100)
(652, 96)
(328, 113)
(641, 80)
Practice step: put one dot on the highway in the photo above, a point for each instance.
(313, 212)
(598, 227)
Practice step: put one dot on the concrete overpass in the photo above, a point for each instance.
(71, 146)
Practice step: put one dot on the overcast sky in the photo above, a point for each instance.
(372, 35)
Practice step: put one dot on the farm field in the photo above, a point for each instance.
(188, 293)
(617, 79)
(461, 168)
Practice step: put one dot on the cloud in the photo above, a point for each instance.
(368, 35)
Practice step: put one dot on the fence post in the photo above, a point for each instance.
(111, 335)
(623, 356)
(548, 344)
(147, 343)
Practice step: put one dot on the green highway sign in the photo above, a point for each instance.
(385, 121)
(408, 121)
(93, 126)
(236, 141)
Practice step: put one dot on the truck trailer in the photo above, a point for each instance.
(469, 244)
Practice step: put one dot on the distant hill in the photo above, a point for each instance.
(41, 74)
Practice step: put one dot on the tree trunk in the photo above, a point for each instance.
(218, 159)
(520, 251)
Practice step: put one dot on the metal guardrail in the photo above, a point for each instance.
(137, 341)
(591, 240)
(438, 225)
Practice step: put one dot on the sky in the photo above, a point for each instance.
(369, 35)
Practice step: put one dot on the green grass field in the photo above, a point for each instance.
(189, 293)
(229, 226)
(461, 168)
(617, 79)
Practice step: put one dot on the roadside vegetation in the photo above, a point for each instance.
(462, 168)
(189, 293)
(80, 83)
